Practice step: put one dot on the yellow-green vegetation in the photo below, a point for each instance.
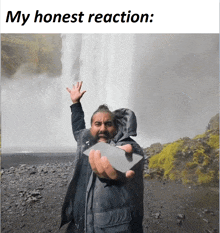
(146, 176)
(164, 160)
(200, 136)
(41, 52)
(194, 161)
(204, 178)
(185, 148)
(213, 141)
(173, 175)
(199, 157)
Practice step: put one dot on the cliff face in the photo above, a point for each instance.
(213, 123)
(38, 53)
(187, 160)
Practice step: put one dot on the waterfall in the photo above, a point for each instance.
(104, 63)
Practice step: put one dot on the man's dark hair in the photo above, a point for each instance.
(104, 108)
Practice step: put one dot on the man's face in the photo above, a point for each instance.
(102, 127)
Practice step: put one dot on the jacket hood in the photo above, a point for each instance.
(126, 124)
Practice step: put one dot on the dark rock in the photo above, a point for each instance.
(22, 225)
(206, 211)
(7, 207)
(34, 193)
(153, 149)
(32, 173)
(179, 222)
(213, 123)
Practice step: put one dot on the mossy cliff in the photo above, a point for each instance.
(35, 53)
(194, 161)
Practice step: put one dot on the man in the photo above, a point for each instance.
(100, 198)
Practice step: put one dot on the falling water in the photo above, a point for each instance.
(104, 64)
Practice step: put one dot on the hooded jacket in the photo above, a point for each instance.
(93, 204)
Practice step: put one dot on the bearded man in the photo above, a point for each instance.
(99, 198)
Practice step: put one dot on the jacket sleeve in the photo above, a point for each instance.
(77, 119)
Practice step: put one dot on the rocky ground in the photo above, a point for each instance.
(32, 197)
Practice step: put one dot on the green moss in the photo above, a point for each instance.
(189, 160)
(164, 160)
(200, 136)
(213, 141)
(147, 176)
(200, 157)
(185, 181)
(204, 178)
(184, 173)
(205, 162)
(172, 176)
(185, 149)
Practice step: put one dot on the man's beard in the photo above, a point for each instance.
(103, 135)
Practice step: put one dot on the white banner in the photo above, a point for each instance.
(116, 16)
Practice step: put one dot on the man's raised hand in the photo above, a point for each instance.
(75, 92)
(102, 168)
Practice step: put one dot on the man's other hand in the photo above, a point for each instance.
(75, 93)
(102, 168)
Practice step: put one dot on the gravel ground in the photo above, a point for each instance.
(32, 196)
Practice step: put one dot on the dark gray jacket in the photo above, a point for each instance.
(102, 205)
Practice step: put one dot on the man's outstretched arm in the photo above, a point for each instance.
(78, 122)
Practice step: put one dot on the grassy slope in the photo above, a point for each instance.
(194, 161)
